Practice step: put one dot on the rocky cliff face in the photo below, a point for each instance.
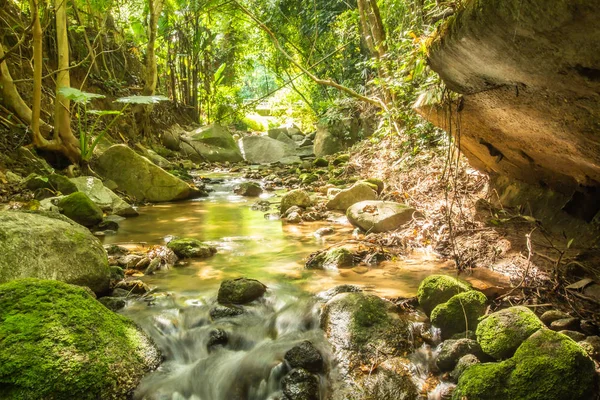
(529, 75)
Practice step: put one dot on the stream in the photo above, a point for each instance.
(241, 357)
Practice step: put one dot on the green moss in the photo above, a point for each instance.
(240, 291)
(189, 248)
(547, 366)
(369, 319)
(58, 343)
(321, 162)
(81, 209)
(332, 259)
(502, 332)
(379, 185)
(450, 316)
(438, 289)
(308, 178)
(341, 159)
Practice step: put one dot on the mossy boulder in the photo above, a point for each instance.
(139, 177)
(213, 143)
(55, 182)
(60, 343)
(104, 198)
(320, 162)
(341, 159)
(240, 291)
(308, 178)
(191, 248)
(502, 332)
(248, 189)
(460, 313)
(438, 289)
(339, 257)
(81, 209)
(298, 197)
(547, 366)
(451, 351)
(51, 246)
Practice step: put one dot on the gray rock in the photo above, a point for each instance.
(294, 218)
(264, 150)
(379, 216)
(112, 303)
(51, 246)
(325, 143)
(552, 315)
(576, 336)
(300, 384)
(249, 189)
(283, 137)
(296, 197)
(336, 258)
(171, 138)
(360, 191)
(305, 355)
(219, 312)
(55, 182)
(452, 350)
(334, 291)
(565, 324)
(465, 362)
(217, 337)
(212, 143)
(139, 177)
(240, 291)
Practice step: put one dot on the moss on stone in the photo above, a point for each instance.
(379, 185)
(308, 178)
(459, 314)
(191, 248)
(438, 289)
(339, 257)
(341, 159)
(547, 366)
(502, 332)
(240, 291)
(58, 343)
(81, 209)
(320, 162)
(296, 197)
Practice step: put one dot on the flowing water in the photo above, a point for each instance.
(250, 366)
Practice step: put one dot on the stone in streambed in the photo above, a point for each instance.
(96, 355)
(248, 189)
(298, 197)
(360, 191)
(51, 246)
(438, 289)
(191, 248)
(300, 384)
(112, 303)
(220, 311)
(104, 198)
(460, 313)
(240, 291)
(452, 350)
(552, 315)
(80, 209)
(213, 143)
(379, 216)
(336, 258)
(305, 355)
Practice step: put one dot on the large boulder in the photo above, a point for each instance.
(104, 198)
(360, 191)
(379, 216)
(240, 291)
(211, 143)
(53, 182)
(171, 138)
(264, 150)
(438, 289)
(297, 197)
(139, 177)
(460, 313)
(547, 366)
(51, 246)
(326, 143)
(58, 342)
(80, 209)
(502, 332)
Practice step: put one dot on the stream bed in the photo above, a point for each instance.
(212, 355)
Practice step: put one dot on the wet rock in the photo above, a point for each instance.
(388, 385)
(240, 291)
(324, 231)
(298, 197)
(96, 355)
(344, 199)
(133, 286)
(379, 216)
(438, 289)
(377, 182)
(130, 261)
(452, 350)
(565, 324)
(191, 248)
(116, 273)
(294, 218)
(139, 177)
(328, 294)
(261, 205)
(171, 138)
(463, 363)
(249, 189)
(119, 292)
(108, 224)
(576, 336)
(80, 209)
(113, 249)
(502, 332)
(212, 143)
(336, 258)
(552, 315)
(305, 355)
(103, 197)
(460, 313)
(51, 246)
(300, 384)
(547, 365)
(219, 312)
(217, 337)
(112, 303)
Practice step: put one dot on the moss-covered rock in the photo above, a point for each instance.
(438, 289)
(298, 197)
(240, 291)
(51, 246)
(452, 350)
(249, 189)
(341, 159)
(547, 366)
(339, 257)
(81, 209)
(502, 332)
(60, 343)
(55, 182)
(191, 248)
(377, 182)
(459, 314)
(308, 178)
(321, 162)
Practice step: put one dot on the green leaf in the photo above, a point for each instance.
(104, 112)
(142, 99)
(77, 95)
(219, 74)
(570, 243)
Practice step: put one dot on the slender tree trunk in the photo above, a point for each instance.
(9, 96)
